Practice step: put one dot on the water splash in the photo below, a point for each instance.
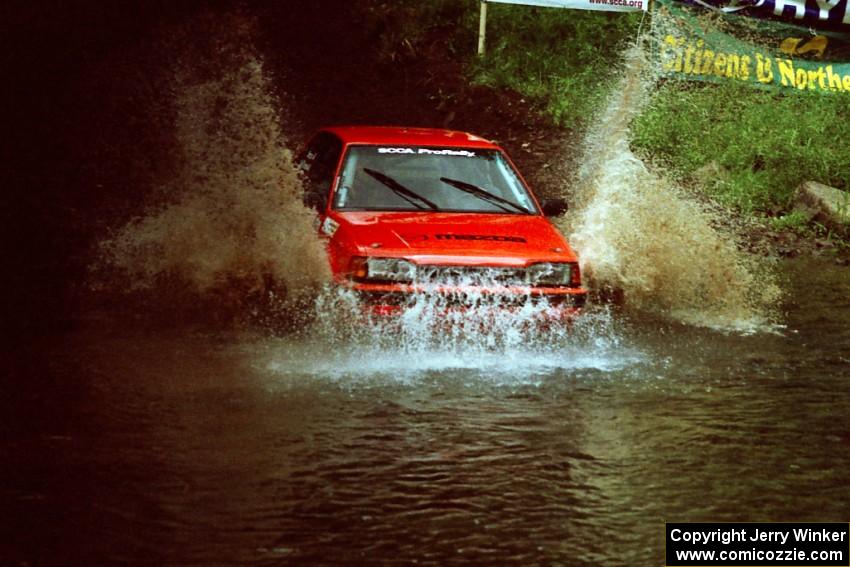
(230, 217)
(638, 232)
(501, 339)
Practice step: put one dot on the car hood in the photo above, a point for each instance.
(458, 238)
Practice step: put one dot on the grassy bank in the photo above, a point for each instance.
(759, 145)
(566, 59)
(765, 143)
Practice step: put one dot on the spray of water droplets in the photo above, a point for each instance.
(229, 219)
(636, 231)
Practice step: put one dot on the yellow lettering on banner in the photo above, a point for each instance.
(698, 57)
(801, 79)
(764, 73)
(834, 79)
(821, 78)
(668, 60)
(786, 72)
(732, 63)
(744, 71)
(694, 58)
(707, 59)
(672, 61)
(720, 64)
(813, 77)
(689, 51)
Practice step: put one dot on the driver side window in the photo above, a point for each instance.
(318, 164)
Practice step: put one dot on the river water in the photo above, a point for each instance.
(126, 442)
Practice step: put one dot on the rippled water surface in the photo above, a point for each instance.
(127, 444)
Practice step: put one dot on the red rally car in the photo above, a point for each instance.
(409, 211)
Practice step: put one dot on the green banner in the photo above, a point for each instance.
(709, 45)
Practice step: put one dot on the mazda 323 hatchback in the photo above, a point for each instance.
(408, 211)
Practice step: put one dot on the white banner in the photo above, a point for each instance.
(606, 5)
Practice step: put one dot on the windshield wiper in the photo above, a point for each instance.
(484, 195)
(401, 190)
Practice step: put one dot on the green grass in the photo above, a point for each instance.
(565, 59)
(795, 221)
(767, 142)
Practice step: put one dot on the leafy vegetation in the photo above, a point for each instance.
(566, 59)
(767, 143)
(794, 220)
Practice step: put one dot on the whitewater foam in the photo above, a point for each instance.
(494, 342)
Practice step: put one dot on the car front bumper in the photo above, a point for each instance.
(392, 300)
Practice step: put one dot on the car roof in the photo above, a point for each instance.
(404, 136)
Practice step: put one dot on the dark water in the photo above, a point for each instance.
(122, 444)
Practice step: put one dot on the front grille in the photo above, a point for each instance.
(471, 275)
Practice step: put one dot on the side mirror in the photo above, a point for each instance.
(554, 207)
(315, 200)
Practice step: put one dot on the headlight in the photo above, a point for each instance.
(550, 274)
(383, 269)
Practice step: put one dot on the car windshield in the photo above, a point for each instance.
(407, 178)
